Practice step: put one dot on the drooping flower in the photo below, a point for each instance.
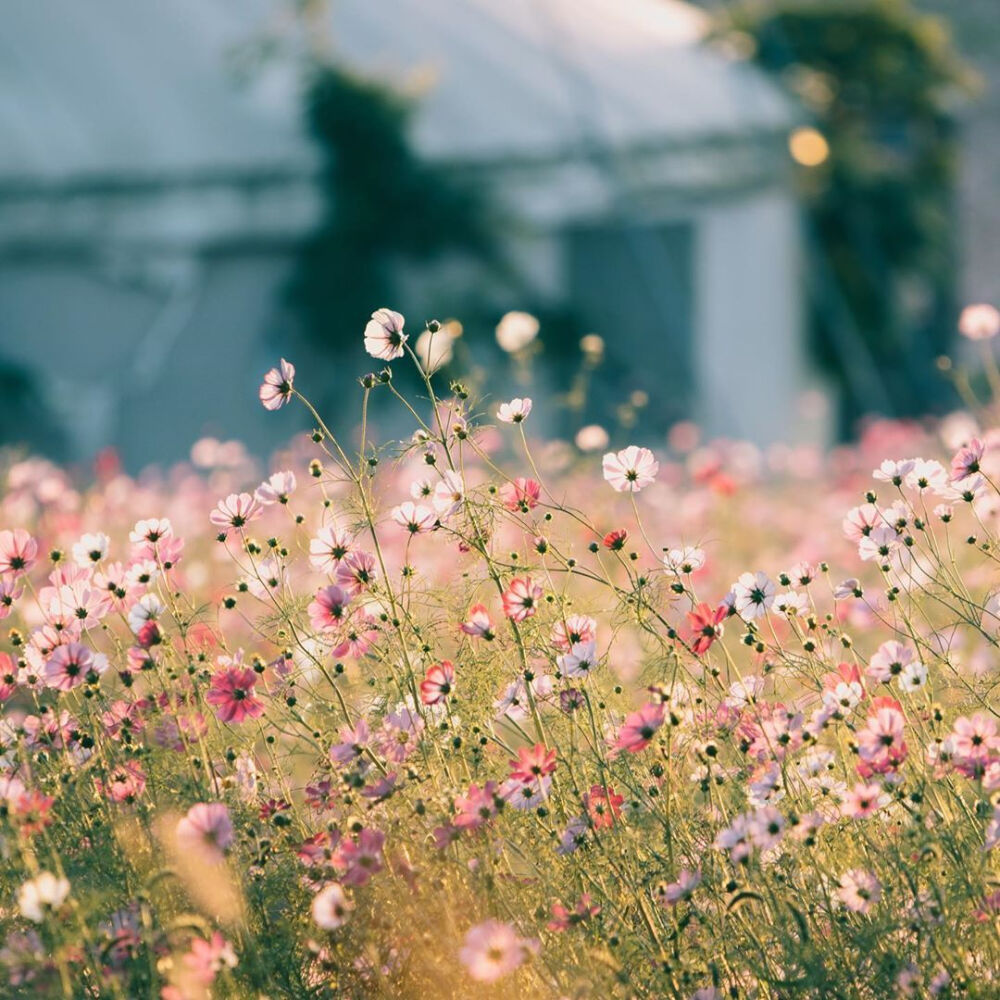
(384, 337)
(231, 693)
(478, 623)
(631, 469)
(276, 389)
(276, 489)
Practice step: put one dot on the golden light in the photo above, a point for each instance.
(808, 146)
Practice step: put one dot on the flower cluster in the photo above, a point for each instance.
(502, 711)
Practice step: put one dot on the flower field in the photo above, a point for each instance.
(477, 714)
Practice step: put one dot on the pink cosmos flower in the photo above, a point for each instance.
(478, 623)
(974, 739)
(521, 495)
(206, 829)
(10, 591)
(328, 608)
(438, 683)
(979, 322)
(353, 743)
(520, 599)
(493, 950)
(72, 664)
(125, 783)
(276, 389)
(232, 695)
(236, 511)
(448, 494)
(206, 959)
(603, 806)
(880, 743)
(640, 727)
(356, 571)
(705, 624)
(564, 918)
(682, 889)
(357, 636)
(362, 858)
(533, 763)
(277, 489)
(331, 907)
(18, 552)
(515, 411)
(150, 531)
(573, 629)
(384, 337)
(415, 518)
(476, 807)
(579, 661)
(859, 890)
(966, 461)
(889, 661)
(864, 800)
(631, 469)
(330, 545)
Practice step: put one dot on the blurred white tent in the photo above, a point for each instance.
(150, 203)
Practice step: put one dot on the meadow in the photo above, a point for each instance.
(480, 714)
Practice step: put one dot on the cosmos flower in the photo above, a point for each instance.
(493, 950)
(231, 693)
(631, 469)
(277, 387)
(384, 337)
(514, 412)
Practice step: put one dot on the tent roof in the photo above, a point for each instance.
(113, 88)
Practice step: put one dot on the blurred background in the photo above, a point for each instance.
(759, 217)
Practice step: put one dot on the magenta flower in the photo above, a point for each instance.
(276, 389)
(232, 695)
(328, 608)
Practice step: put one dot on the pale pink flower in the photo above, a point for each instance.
(889, 661)
(236, 511)
(438, 683)
(18, 551)
(520, 599)
(362, 858)
(330, 907)
(449, 494)
(90, 549)
(579, 661)
(330, 545)
(979, 322)
(206, 829)
(415, 518)
(384, 337)
(492, 950)
(863, 800)
(515, 411)
(753, 595)
(682, 889)
(631, 469)
(276, 389)
(151, 531)
(966, 461)
(476, 807)
(573, 629)
(277, 489)
(478, 623)
(72, 665)
(356, 572)
(859, 890)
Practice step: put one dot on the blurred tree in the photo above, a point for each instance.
(382, 206)
(881, 83)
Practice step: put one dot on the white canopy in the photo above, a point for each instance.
(106, 89)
